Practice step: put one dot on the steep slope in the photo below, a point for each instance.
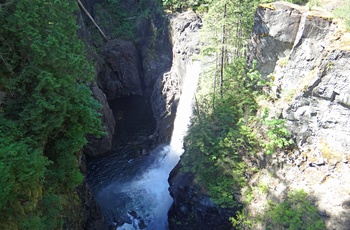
(306, 54)
(305, 57)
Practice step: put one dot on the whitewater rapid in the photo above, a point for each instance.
(141, 198)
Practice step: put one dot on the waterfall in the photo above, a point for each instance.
(142, 200)
(184, 109)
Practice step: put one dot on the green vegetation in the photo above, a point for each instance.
(224, 131)
(112, 20)
(343, 12)
(47, 112)
(218, 139)
(175, 5)
(296, 212)
(278, 136)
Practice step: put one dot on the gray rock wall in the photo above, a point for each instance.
(303, 54)
(119, 74)
(167, 89)
(98, 146)
(192, 208)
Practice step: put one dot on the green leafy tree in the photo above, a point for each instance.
(48, 110)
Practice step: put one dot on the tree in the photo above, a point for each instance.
(47, 113)
(227, 26)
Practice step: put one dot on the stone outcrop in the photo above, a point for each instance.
(306, 56)
(119, 75)
(98, 146)
(185, 36)
(192, 208)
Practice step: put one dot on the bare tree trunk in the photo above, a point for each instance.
(215, 74)
(93, 21)
(222, 52)
(197, 106)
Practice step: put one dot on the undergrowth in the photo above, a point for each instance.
(296, 212)
(223, 134)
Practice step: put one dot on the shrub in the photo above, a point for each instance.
(296, 212)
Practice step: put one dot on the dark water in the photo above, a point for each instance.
(134, 193)
(129, 184)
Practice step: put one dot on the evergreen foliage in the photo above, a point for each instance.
(218, 139)
(222, 132)
(178, 5)
(48, 110)
(225, 132)
(113, 20)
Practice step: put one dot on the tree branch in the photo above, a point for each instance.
(93, 21)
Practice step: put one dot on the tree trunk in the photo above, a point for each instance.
(222, 52)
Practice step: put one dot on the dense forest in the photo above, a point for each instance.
(46, 115)
(47, 110)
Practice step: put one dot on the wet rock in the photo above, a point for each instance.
(165, 96)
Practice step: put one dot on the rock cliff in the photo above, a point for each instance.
(192, 207)
(306, 56)
(185, 38)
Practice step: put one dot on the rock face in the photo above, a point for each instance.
(126, 69)
(120, 73)
(307, 58)
(97, 146)
(192, 208)
(185, 35)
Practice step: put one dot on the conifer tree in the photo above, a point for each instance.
(47, 111)
(227, 26)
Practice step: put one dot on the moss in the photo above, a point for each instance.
(268, 6)
(324, 17)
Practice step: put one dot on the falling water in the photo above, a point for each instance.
(142, 200)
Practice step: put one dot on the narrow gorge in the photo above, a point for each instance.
(139, 85)
(302, 53)
(179, 115)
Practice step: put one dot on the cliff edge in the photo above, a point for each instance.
(306, 56)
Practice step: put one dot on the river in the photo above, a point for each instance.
(131, 184)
